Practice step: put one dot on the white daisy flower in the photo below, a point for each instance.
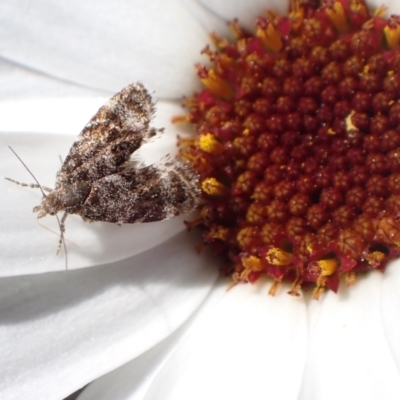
(140, 314)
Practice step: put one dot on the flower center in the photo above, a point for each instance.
(298, 145)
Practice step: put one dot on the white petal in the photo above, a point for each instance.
(348, 356)
(390, 305)
(245, 345)
(392, 5)
(68, 114)
(21, 83)
(33, 102)
(27, 248)
(59, 331)
(210, 21)
(245, 11)
(132, 380)
(63, 115)
(105, 45)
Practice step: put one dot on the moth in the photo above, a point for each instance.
(100, 182)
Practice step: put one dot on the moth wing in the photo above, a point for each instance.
(147, 194)
(111, 136)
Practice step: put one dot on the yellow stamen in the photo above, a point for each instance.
(328, 266)
(392, 36)
(270, 36)
(236, 30)
(209, 144)
(278, 257)
(219, 42)
(349, 124)
(225, 61)
(375, 258)
(317, 292)
(296, 14)
(250, 264)
(212, 187)
(274, 288)
(296, 287)
(338, 17)
(218, 86)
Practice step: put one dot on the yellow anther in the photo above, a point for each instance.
(219, 42)
(328, 266)
(375, 258)
(392, 36)
(270, 37)
(218, 86)
(236, 30)
(338, 17)
(278, 257)
(296, 13)
(253, 263)
(250, 264)
(349, 124)
(209, 144)
(212, 187)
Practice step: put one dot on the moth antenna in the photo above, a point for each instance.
(30, 185)
(30, 172)
(61, 224)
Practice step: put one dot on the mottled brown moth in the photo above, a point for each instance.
(99, 181)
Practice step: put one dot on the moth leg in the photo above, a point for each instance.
(31, 185)
(62, 231)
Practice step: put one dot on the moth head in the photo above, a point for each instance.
(50, 204)
(67, 197)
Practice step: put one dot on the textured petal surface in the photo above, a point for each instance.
(245, 345)
(105, 44)
(27, 248)
(392, 5)
(132, 380)
(348, 354)
(58, 331)
(18, 83)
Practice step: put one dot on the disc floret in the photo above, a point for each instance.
(298, 145)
